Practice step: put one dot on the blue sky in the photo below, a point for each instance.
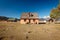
(14, 8)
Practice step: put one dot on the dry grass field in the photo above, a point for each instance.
(17, 31)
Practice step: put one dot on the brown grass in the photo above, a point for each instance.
(17, 31)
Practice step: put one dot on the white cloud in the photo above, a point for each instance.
(46, 17)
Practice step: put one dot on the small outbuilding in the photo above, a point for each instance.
(12, 20)
(57, 21)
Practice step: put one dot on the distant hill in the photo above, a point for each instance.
(2, 18)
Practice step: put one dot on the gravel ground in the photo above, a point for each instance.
(17, 31)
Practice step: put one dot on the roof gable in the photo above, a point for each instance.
(29, 15)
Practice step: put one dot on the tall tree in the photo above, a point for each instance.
(55, 13)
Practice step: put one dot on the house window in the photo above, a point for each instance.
(24, 20)
(34, 20)
(31, 15)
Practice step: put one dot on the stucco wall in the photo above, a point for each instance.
(31, 21)
(22, 21)
(36, 21)
(27, 21)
